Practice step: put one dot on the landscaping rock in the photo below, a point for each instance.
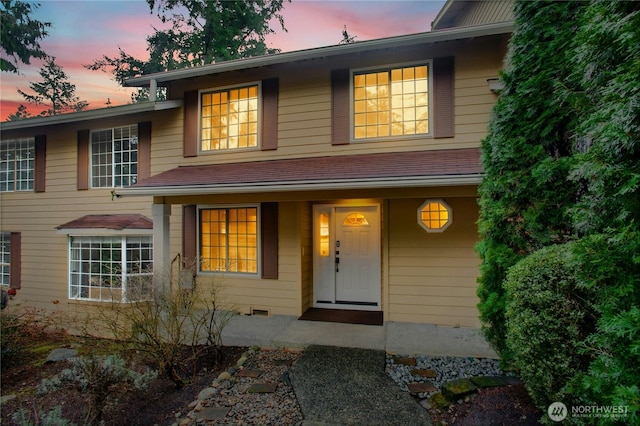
(438, 400)
(207, 393)
(428, 373)
(61, 354)
(224, 376)
(422, 387)
(458, 389)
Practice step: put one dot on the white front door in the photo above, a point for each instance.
(347, 257)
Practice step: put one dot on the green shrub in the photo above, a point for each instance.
(548, 317)
(610, 269)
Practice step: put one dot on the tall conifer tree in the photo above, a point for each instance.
(525, 194)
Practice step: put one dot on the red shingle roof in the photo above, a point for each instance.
(317, 169)
(110, 221)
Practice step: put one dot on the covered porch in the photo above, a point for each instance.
(406, 274)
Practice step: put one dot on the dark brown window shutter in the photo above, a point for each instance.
(191, 134)
(189, 236)
(340, 107)
(443, 92)
(83, 159)
(269, 114)
(39, 182)
(15, 273)
(144, 150)
(269, 235)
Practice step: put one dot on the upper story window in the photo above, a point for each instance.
(391, 103)
(229, 119)
(114, 157)
(17, 165)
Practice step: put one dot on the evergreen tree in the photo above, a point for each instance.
(527, 154)
(54, 93)
(211, 31)
(607, 213)
(20, 35)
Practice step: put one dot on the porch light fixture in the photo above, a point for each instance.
(434, 215)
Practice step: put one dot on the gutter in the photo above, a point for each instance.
(94, 114)
(308, 185)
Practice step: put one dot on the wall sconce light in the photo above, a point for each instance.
(495, 85)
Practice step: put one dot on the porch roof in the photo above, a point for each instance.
(116, 222)
(381, 170)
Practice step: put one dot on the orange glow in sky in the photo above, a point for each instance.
(83, 31)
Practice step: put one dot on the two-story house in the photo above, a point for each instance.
(341, 177)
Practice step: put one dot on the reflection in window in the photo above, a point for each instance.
(118, 268)
(391, 103)
(434, 215)
(229, 119)
(355, 219)
(17, 165)
(228, 239)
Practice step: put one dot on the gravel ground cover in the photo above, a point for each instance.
(242, 396)
(446, 369)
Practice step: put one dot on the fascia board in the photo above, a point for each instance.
(94, 114)
(240, 188)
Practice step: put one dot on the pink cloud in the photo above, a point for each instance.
(84, 31)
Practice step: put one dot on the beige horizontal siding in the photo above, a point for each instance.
(432, 276)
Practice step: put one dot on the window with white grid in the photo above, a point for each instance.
(114, 157)
(114, 268)
(17, 165)
(5, 257)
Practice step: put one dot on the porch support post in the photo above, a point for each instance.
(161, 246)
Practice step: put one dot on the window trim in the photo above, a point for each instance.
(258, 273)
(99, 233)
(390, 67)
(113, 165)
(449, 214)
(6, 236)
(31, 183)
(259, 119)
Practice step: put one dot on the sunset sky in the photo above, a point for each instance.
(84, 30)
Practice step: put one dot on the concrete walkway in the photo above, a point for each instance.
(393, 337)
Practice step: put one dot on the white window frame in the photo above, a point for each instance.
(124, 276)
(259, 118)
(113, 164)
(5, 258)
(390, 67)
(258, 271)
(12, 171)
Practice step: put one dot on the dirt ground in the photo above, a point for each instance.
(504, 405)
(160, 403)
